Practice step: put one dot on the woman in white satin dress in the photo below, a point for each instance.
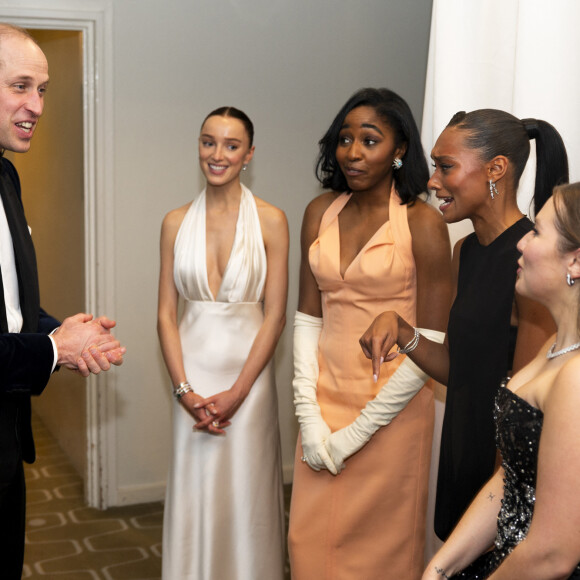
(226, 255)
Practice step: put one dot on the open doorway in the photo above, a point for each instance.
(52, 177)
(83, 281)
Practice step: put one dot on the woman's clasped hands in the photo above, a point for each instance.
(213, 414)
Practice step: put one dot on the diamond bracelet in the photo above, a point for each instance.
(181, 389)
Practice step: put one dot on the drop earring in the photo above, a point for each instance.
(493, 189)
(244, 167)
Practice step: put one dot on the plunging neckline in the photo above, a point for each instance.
(360, 252)
(228, 263)
(363, 249)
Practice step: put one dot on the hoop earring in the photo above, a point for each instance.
(493, 189)
(569, 280)
(397, 163)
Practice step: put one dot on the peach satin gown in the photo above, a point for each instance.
(369, 521)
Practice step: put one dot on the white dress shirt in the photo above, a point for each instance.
(9, 276)
(10, 281)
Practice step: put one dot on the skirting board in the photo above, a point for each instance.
(135, 494)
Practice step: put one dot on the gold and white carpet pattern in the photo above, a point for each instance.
(67, 540)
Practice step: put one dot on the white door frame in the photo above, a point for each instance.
(94, 20)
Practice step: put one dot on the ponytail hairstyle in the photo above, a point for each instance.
(411, 179)
(236, 114)
(494, 132)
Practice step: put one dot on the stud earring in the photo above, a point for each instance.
(493, 189)
(569, 280)
(397, 163)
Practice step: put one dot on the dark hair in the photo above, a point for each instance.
(494, 132)
(236, 114)
(411, 179)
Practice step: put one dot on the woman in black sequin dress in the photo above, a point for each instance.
(525, 522)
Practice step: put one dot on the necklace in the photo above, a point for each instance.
(551, 354)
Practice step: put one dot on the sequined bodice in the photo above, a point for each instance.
(518, 430)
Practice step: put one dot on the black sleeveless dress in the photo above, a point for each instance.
(519, 426)
(481, 344)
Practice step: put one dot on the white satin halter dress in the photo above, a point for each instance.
(224, 516)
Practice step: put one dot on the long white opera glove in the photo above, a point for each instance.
(313, 429)
(393, 397)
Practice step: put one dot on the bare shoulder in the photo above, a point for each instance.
(321, 203)
(564, 392)
(313, 217)
(569, 375)
(457, 248)
(316, 208)
(174, 218)
(270, 215)
(273, 223)
(171, 224)
(423, 210)
(428, 230)
(423, 216)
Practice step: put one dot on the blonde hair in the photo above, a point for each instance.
(567, 222)
(567, 207)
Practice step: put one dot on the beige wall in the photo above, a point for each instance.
(52, 184)
(290, 64)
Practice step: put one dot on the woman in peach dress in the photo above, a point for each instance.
(376, 245)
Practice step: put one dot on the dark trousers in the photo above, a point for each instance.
(12, 519)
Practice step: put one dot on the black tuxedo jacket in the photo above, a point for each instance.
(26, 358)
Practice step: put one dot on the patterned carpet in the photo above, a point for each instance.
(66, 540)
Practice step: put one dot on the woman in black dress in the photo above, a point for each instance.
(529, 511)
(479, 159)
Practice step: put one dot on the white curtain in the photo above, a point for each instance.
(521, 56)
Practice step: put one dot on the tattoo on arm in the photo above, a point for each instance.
(490, 496)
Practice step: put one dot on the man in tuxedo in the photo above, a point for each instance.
(29, 352)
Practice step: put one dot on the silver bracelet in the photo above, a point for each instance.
(412, 344)
(181, 389)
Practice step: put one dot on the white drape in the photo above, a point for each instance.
(521, 56)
